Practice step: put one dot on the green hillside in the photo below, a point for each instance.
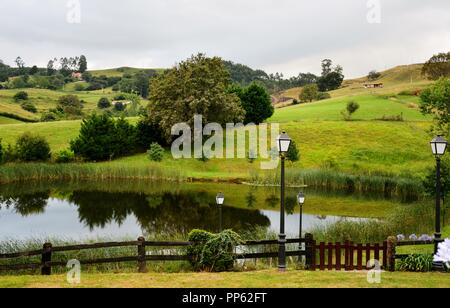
(395, 80)
(120, 71)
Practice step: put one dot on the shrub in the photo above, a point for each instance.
(80, 87)
(323, 95)
(28, 106)
(102, 138)
(156, 152)
(49, 117)
(295, 102)
(70, 105)
(104, 103)
(393, 118)
(351, 108)
(9, 154)
(65, 156)
(119, 106)
(416, 263)
(147, 133)
(213, 252)
(20, 96)
(293, 153)
(31, 147)
(1, 151)
(120, 97)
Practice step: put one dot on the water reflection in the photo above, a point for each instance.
(90, 209)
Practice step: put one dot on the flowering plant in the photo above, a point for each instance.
(443, 254)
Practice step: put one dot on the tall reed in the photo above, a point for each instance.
(407, 189)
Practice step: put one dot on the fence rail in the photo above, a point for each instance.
(318, 256)
(48, 250)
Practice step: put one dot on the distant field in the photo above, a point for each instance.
(119, 72)
(371, 107)
(47, 99)
(395, 80)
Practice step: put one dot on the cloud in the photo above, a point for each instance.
(290, 36)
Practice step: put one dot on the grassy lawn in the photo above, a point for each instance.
(257, 279)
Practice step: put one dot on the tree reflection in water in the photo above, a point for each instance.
(177, 212)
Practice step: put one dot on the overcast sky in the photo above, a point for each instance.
(288, 36)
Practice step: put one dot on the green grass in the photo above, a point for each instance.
(5, 120)
(371, 108)
(48, 99)
(256, 279)
(119, 72)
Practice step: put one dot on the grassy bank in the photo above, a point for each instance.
(257, 279)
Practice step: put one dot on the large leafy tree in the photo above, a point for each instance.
(331, 78)
(438, 66)
(195, 86)
(256, 102)
(435, 100)
(309, 93)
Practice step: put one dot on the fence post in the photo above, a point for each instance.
(142, 264)
(45, 258)
(390, 252)
(310, 251)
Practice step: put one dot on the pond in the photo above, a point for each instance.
(124, 209)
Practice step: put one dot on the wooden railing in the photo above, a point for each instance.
(141, 257)
(345, 256)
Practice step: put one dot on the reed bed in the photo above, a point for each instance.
(406, 189)
(104, 171)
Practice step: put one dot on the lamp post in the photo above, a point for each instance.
(220, 198)
(301, 201)
(438, 147)
(283, 143)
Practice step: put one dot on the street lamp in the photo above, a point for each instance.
(283, 143)
(220, 198)
(438, 147)
(301, 201)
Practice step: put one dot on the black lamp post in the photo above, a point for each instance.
(283, 143)
(220, 198)
(438, 147)
(301, 201)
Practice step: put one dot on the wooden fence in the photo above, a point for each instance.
(345, 256)
(318, 256)
(141, 257)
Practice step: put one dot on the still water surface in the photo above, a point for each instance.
(126, 209)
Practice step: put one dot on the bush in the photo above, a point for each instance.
(156, 152)
(293, 153)
(416, 263)
(49, 117)
(20, 96)
(31, 147)
(351, 108)
(323, 95)
(9, 154)
(104, 103)
(80, 87)
(213, 252)
(118, 106)
(393, 118)
(295, 102)
(148, 133)
(102, 138)
(120, 97)
(1, 151)
(64, 157)
(28, 106)
(70, 105)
